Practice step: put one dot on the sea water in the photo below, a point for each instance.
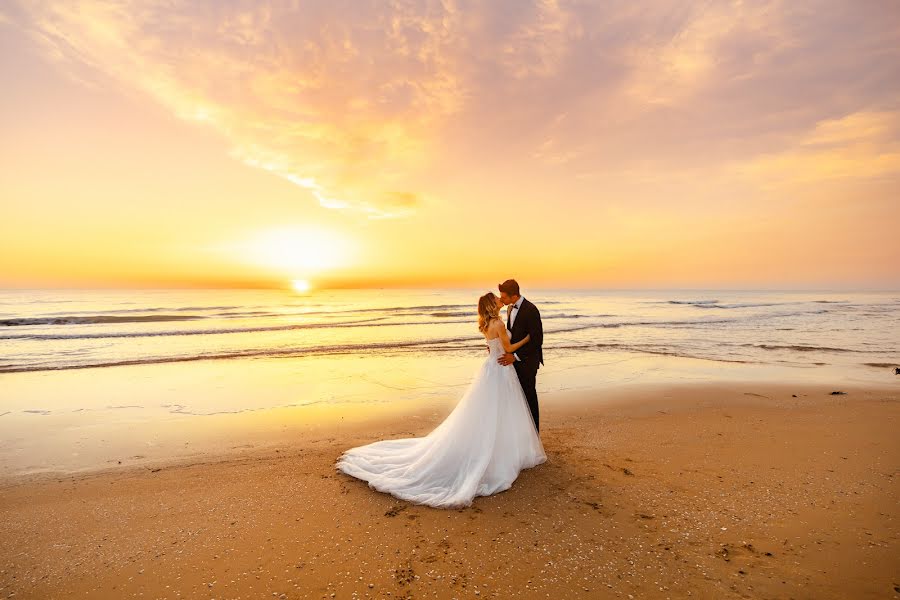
(94, 378)
(49, 330)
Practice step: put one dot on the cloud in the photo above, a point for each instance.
(346, 100)
(541, 41)
(688, 52)
(325, 98)
(861, 145)
(357, 102)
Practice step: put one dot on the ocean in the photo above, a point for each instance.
(108, 378)
(857, 334)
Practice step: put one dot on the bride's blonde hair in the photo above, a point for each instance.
(487, 310)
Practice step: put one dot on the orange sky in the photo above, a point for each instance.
(615, 144)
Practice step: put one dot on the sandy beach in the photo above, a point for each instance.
(708, 491)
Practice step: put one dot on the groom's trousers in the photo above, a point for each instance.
(527, 373)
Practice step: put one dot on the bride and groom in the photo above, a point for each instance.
(490, 435)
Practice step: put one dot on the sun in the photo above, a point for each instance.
(301, 286)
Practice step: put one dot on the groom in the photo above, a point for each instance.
(523, 318)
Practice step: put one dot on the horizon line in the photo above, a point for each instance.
(560, 287)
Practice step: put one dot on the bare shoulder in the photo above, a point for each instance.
(494, 327)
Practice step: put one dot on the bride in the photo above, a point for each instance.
(478, 450)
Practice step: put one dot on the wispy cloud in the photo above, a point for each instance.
(540, 42)
(325, 97)
(352, 101)
(689, 50)
(861, 145)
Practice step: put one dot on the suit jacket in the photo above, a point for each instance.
(528, 321)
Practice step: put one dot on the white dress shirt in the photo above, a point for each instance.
(513, 313)
(512, 317)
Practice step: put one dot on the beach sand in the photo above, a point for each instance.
(708, 491)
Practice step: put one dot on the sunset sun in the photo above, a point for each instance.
(301, 286)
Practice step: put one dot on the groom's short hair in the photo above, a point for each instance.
(510, 286)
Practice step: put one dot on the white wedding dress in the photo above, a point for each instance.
(478, 450)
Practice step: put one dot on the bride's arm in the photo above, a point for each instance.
(504, 339)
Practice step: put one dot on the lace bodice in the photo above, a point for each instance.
(496, 347)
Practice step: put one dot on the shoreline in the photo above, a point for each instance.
(267, 431)
(720, 490)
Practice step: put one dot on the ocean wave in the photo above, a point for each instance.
(693, 302)
(674, 324)
(219, 331)
(745, 305)
(462, 309)
(175, 309)
(93, 319)
(635, 348)
(249, 353)
(116, 315)
(382, 321)
(664, 351)
(88, 318)
(718, 305)
(545, 316)
(472, 308)
(432, 345)
(798, 348)
(374, 322)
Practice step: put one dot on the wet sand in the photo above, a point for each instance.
(707, 491)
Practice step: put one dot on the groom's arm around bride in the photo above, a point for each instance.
(528, 322)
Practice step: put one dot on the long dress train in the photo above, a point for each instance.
(478, 450)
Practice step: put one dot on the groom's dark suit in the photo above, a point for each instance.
(531, 355)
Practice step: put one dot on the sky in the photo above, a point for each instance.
(614, 144)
